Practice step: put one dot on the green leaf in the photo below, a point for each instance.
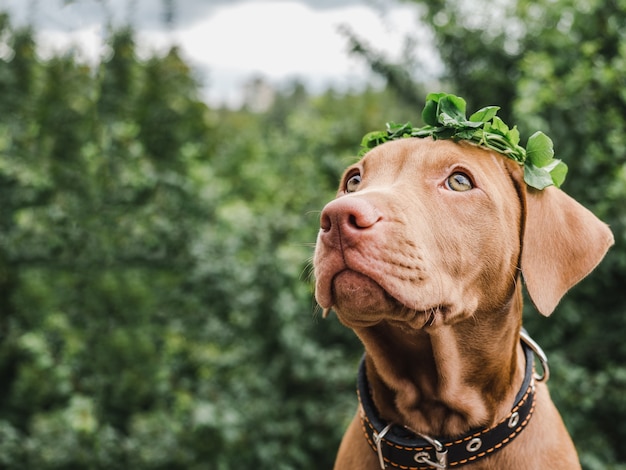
(435, 97)
(539, 149)
(395, 127)
(452, 109)
(498, 126)
(429, 114)
(513, 135)
(485, 114)
(422, 132)
(558, 173)
(443, 133)
(449, 121)
(538, 178)
(469, 134)
(372, 137)
(396, 131)
(371, 140)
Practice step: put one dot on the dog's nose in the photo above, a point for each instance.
(347, 218)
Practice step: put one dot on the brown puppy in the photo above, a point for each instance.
(421, 255)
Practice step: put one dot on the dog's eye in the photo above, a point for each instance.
(459, 182)
(353, 183)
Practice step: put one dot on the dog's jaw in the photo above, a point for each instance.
(359, 301)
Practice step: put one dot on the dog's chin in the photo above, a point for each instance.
(360, 302)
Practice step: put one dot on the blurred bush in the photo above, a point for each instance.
(155, 303)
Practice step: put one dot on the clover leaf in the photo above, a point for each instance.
(538, 178)
(445, 118)
(558, 173)
(484, 114)
(539, 149)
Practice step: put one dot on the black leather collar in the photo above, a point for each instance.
(398, 447)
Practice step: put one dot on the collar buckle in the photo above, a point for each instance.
(441, 454)
(442, 459)
(378, 439)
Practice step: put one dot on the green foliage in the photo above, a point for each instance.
(155, 303)
(444, 115)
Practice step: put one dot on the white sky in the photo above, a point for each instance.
(230, 42)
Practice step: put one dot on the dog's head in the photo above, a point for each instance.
(429, 232)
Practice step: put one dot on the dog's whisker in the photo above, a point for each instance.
(304, 244)
(516, 274)
(432, 317)
(318, 310)
(308, 272)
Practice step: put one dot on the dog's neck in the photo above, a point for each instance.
(446, 380)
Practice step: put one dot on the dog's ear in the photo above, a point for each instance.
(562, 243)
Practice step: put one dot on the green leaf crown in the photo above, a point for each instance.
(444, 115)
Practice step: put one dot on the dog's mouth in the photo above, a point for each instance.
(359, 301)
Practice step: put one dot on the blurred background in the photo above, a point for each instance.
(162, 169)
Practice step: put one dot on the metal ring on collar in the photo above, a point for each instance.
(474, 444)
(525, 337)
